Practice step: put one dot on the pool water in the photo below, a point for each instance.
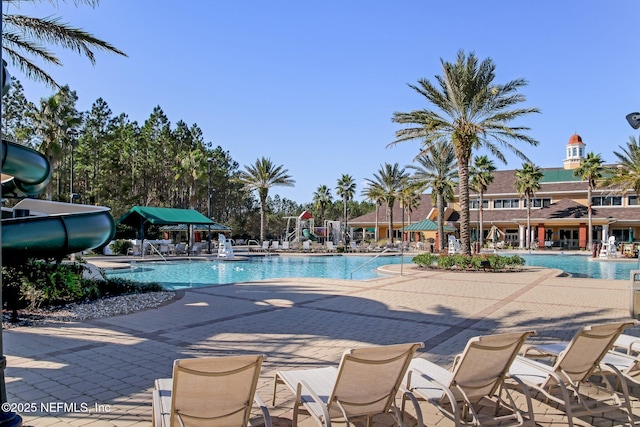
(584, 266)
(183, 274)
(187, 274)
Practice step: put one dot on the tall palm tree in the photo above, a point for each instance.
(24, 40)
(591, 169)
(527, 183)
(261, 176)
(481, 176)
(375, 194)
(437, 169)
(346, 189)
(471, 111)
(625, 176)
(321, 199)
(390, 180)
(54, 119)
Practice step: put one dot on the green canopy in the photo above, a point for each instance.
(162, 216)
(427, 225)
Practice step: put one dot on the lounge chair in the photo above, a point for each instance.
(265, 245)
(629, 343)
(134, 250)
(364, 384)
(476, 381)
(330, 247)
(306, 246)
(275, 245)
(211, 391)
(286, 246)
(574, 365)
(181, 249)
(353, 246)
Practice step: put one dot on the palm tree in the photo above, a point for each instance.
(527, 183)
(375, 194)
(346, 189)
(590, 170)
(481, 176)
(437, 169)
(321, 199)
(261, 176)
(625, 176)
(390, 179)
(24, 40)
(54, 119)
(471, 111)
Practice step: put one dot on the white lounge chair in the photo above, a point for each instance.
(265, 245)
(134, 250)
(330, 247)
(579, 360)
(286, 246)
(306, 246)
(211, 391)
(275, 245)
(629, 343)
(476, 382)
(364, 384)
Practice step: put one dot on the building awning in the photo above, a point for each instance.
(162, 216)
(427, 225)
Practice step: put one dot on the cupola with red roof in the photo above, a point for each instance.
(575, 152)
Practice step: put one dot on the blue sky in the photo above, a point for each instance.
(313, 85)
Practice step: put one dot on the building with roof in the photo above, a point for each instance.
(559, 214)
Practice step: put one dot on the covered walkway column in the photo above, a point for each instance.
(522, 234)
(541, 235)
(582, 235)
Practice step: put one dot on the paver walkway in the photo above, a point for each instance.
(106, 367)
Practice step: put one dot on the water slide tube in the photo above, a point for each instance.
(39, 228)
(309, 235)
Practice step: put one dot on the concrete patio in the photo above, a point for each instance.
(107, 366)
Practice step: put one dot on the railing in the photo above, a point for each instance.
(153, 248)
(371, 260)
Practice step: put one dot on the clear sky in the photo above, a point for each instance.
(313, 84)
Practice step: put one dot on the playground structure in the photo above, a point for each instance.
(302, 229)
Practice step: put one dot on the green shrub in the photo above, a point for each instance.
(425, 260)
(39, 284)
(120, 247)
(467, 262)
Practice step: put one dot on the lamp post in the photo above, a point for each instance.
(209, 161)
(7, 417)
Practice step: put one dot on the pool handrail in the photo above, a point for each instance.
(371, 260)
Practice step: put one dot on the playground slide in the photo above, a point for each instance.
(39, 228)
(309, 235)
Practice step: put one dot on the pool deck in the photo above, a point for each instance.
(110, 364)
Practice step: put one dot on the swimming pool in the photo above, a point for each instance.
(187, 274)
(584, 266)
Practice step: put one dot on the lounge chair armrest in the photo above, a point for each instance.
(527, 395)
(325, 413)
(263, 408)
(445, 389)
(406, 394)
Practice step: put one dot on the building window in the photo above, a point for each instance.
(474, 204)
(606, 201)
(580, 151)
(506, 204)
(575, 151)
(632, 200)
(538, 202)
